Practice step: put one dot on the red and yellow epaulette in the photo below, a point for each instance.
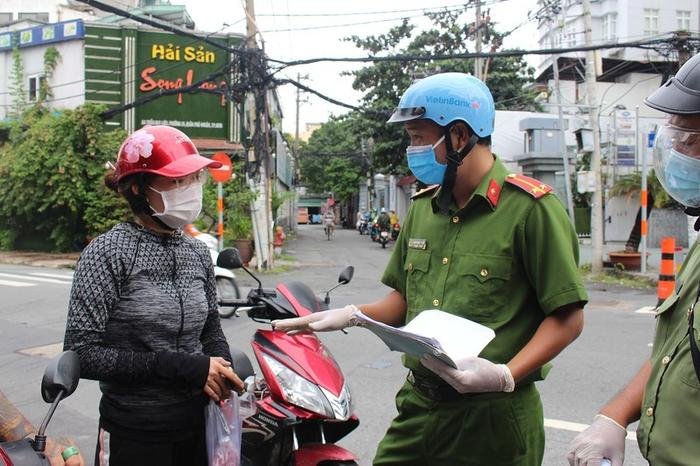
(533, 187)
(424, 191)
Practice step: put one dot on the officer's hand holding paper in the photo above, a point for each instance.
(447, 337)
(473, 374)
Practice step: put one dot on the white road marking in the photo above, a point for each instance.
(38, 279)
(16, 284)
(45, 351)
(646, 310)
(54, 275)
(576, 427)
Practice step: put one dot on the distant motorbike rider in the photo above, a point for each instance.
(384, 221)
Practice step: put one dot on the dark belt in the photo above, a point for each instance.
(433, 389)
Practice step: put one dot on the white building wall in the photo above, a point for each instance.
(629, 26)
(67, 83)
(628, 94)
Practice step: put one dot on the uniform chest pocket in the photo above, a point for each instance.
(416, 266)
(690, 376)
(485, 281)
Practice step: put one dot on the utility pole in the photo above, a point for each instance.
(562, 133)
(597, 207)
(296, 127)
(258, 118)
(299, 102)
(477, 24)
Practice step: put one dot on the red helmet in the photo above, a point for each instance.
(162, 150)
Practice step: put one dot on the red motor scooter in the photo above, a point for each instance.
(303, 401)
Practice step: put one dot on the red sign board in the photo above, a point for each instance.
(223, 173)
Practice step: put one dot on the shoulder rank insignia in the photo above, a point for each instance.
(533, 187)
(429, 190)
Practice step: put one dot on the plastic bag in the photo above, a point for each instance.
(246, 404)
(223, 431)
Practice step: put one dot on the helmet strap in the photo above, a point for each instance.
(454, 160)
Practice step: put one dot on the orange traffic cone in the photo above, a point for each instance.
(667, 271)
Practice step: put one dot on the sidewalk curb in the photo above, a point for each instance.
(40, 259)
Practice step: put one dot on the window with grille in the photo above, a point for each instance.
(34, 87)
(609, 27)
(651, 21)
(683, 20)
(38, 16)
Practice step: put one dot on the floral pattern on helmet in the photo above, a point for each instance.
(139, 144)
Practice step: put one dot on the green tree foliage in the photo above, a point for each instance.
(384, 82)
(51, 59)
(331, 160)
(17, 89)
(52, 169)
(238, 196)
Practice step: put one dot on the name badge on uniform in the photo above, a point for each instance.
(417, 243)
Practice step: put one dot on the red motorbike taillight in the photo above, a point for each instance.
(4, 459)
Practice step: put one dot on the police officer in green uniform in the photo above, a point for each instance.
(486, 245)
(665, 393)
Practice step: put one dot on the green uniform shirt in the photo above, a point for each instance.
(505, 260)
(669, 427)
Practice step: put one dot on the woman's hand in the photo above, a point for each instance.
(221, 379)
(63, 452)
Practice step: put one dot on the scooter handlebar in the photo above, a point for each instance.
(234, 302)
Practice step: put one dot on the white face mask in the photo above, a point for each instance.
(180, 205)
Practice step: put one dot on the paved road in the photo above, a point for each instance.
(614, 343)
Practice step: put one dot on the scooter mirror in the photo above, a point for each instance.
(61, 375)
(346, 275)
(229, 259)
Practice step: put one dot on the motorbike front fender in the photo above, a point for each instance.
(313, 454)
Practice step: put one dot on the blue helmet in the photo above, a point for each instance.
(447, 97)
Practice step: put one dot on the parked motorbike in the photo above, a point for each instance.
(226, 285)
(60, 381)
(303, 401)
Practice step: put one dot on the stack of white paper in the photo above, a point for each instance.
(446, 336)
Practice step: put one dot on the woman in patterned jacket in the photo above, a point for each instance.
(143, 313)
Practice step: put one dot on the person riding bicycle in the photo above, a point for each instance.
(328, 220)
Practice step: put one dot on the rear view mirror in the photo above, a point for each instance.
(346, 275)
(229, 258)
(61, 375)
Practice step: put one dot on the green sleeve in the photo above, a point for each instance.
(395, 272)
(549, 251)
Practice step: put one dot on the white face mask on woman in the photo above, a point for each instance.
(180, 205)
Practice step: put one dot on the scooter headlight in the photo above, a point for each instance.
(299, 391)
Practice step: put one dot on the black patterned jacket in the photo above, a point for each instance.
(143, 319)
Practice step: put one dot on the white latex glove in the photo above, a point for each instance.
(604, 438)
(324, 321)
(475, 375)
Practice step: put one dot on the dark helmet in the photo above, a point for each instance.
(681, 93)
